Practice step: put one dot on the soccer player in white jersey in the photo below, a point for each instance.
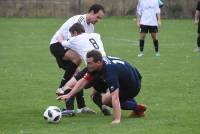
(197, 22)
(81, 43)
(69, 60)
(148, 20)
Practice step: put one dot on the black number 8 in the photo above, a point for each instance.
(94, 43)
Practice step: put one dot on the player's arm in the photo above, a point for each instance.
(138, 21)
(116, 106)
(138, 14)
(69, 85)
(196, 21)
(158, 19)
(77, 88)
(196, 17)
(158, 12)
(64, 43)
(112, 79)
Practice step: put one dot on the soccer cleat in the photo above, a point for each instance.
(197, 49)
(105, 110)
(140, 54)
(86, 110)
(157, 54)
(68, 113)
(139, 112)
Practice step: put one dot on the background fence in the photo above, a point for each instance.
(64, 8)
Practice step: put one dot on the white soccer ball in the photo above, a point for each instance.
(52, 114)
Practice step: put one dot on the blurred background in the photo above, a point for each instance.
(66, 8)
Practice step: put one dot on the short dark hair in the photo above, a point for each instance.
(95, 54)
(96, 8)
(77, 27)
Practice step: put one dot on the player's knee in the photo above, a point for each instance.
(154, 36)
(72, 56)
(77, 61)
(142, 37)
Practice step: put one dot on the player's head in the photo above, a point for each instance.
(96, 13)
(76, 29)
(94, 60)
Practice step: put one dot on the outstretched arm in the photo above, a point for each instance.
(159, 19)
(78, 87)
(116, 106)
(196, 17)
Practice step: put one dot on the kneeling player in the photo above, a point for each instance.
(123, 81)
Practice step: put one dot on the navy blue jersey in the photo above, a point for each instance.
(120, 74)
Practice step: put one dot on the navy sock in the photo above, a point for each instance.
(129, 105)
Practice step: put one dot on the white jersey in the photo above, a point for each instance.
(147, 10)
(64, 29)
(86, 42)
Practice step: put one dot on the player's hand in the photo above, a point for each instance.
(196, 22)
(115, 122)
(60, 91)
(63, 97)
(138, 24)
(159, 23)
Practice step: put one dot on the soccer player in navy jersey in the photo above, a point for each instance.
(122, 80)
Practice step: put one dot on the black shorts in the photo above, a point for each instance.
(130, 93)
(148, 29)
(97, 83)
(131, 90)
(58, 52)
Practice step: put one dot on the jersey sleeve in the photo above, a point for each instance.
(112, 79)
(157, 8)
(88, 77)
(64, 30)
(66, 43)
(198, 6)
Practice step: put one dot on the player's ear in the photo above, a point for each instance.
(75, 33)
(92, 12)
(99, 62)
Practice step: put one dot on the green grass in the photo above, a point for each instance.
(29, 76)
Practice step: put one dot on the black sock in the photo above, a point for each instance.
(141, 45)
(80, 100)
(198, 41)
(69, 72)
(156, 45)
(69, 103)
(97, 98)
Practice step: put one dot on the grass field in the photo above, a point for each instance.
(29, 76)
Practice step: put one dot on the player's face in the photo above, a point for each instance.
(94, 18)
(91, 65)
(74, 33)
